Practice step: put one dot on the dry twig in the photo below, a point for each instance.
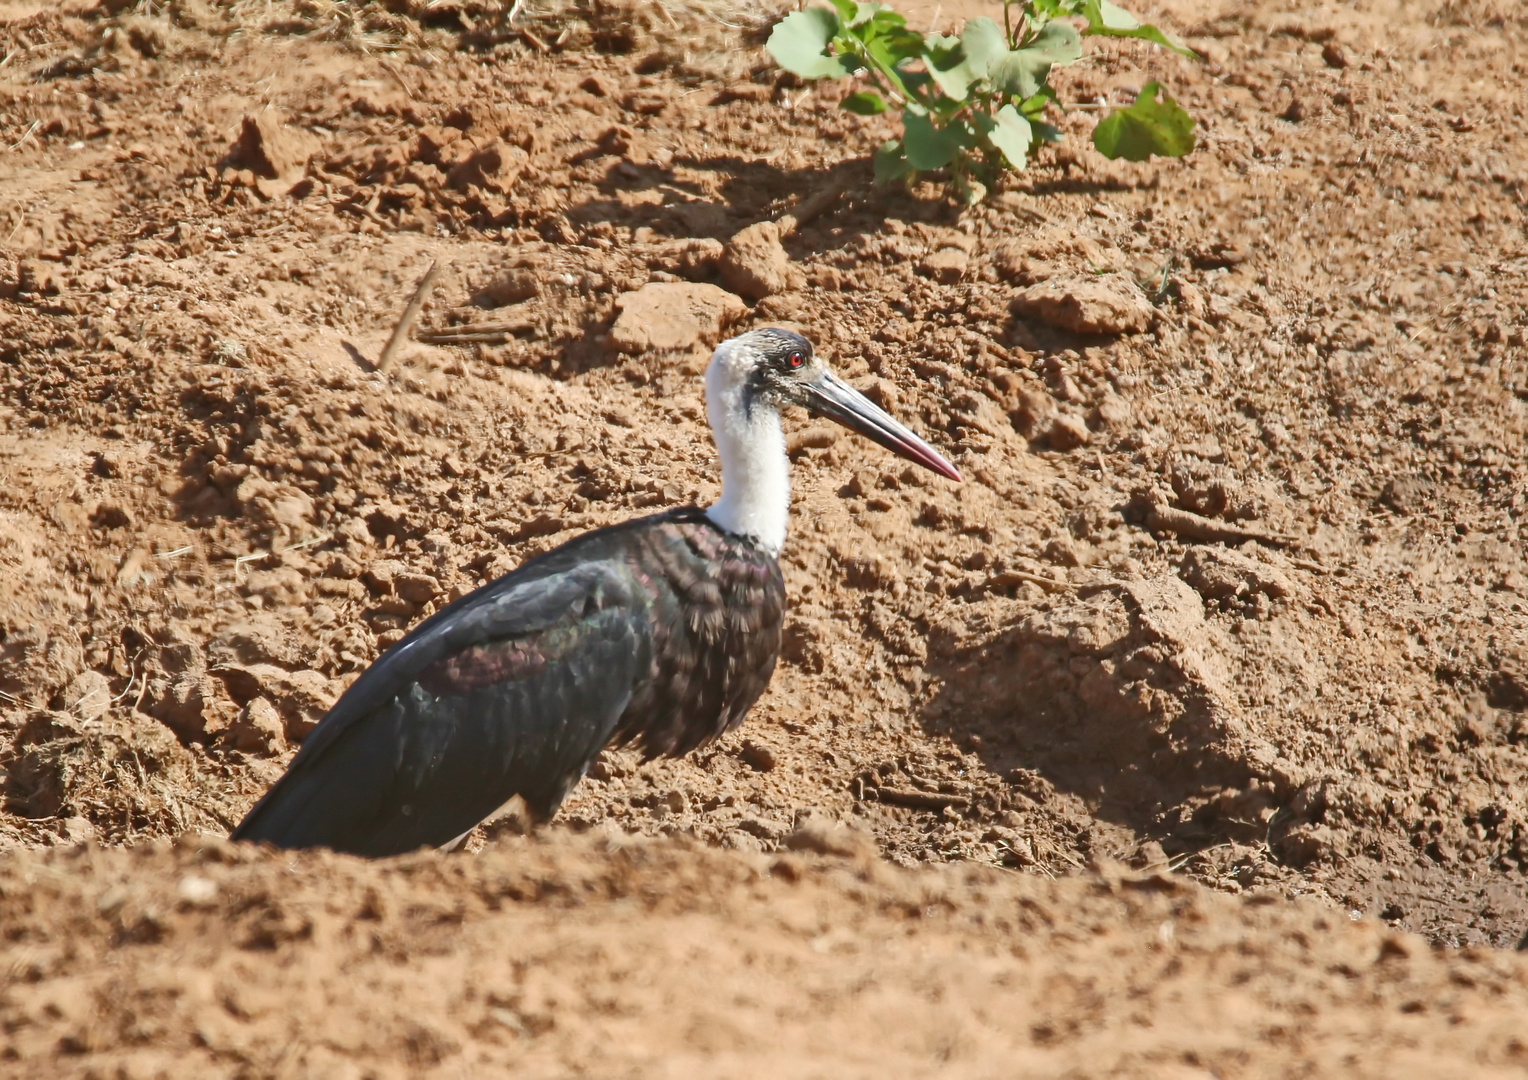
(1006, 578)
(1165, 518)
(815, 204)
(919, 800)
(406, 321)
(489, 333)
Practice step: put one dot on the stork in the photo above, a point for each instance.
(660, 632)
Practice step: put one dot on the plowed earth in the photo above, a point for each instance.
(1232, 600)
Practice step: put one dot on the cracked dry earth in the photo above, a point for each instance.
(1188, 737)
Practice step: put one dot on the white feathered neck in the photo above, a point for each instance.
(756, 487)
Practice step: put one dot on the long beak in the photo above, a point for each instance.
(830, 396)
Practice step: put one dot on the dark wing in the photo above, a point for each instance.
(510, 691)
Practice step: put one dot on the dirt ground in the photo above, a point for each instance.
(1188, 737)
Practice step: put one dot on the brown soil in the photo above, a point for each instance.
(1233, 595)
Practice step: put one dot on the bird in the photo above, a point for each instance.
(659, 632)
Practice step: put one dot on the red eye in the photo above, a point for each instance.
(796, 360)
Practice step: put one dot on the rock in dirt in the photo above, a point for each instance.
(758, 756)
(281, 506)
(829, 838)
(270, 148)
(495, 167)
(301, 697)
(258, 729)
(668, 316)
(693, 258)
(1085, 306)
(946, 266)
(510, 287)
(1224, 573)
(1068, 431)
(755, 265)
(88, 695)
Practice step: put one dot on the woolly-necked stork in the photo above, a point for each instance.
(660, 632)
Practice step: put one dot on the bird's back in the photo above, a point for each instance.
(661, 631)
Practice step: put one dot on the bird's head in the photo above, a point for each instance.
(773, 368)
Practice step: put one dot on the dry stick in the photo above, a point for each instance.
(1160, 516)
(487, 332)
(25, 135)
(1005, 578)
(814, 204)
(406, 322)
(919, 800)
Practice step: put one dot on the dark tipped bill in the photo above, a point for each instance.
(830, 396)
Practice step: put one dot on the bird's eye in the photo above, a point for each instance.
(795, 360)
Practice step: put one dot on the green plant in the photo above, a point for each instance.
(975, 103)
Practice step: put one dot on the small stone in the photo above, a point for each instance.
(1033, 413)
(757, 756)
(88, 695)
(767, 829)
(197, 891)
(1112, 413)
(382, 575)
(598, 85)
(946, 266)
(1150, 855)
(258, 729)
(417, 588)
(1220, 573)
(306, 696)
(755, 265)
(1067, 432)
(510, 287)
(669, 316)
(79, 829)
(268, 148)
(827, 838)
(1085, 306)
(496, 167)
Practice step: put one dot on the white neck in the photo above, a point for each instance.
(756, 489)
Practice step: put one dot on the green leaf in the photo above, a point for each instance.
(982, 41)
(1111, 20)
(927, 146)
(846, 11)
(915, 81)
(1059, 42)
(865, 103)
(1034, 106)
(798, 42)
(1023, 73)
(890, 162)
(946, 63)
(1020, 74)
(895, 45)
(1011, 134)
(1145, 128)
(1057, 9)
(879, 14)
(1044, 132)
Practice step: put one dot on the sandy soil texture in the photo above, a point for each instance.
(1188, 737)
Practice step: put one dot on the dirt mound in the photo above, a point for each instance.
(1235, 587)
(644, 958)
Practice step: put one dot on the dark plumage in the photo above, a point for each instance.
(660, 632)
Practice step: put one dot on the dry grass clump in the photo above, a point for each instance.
(124, 775)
